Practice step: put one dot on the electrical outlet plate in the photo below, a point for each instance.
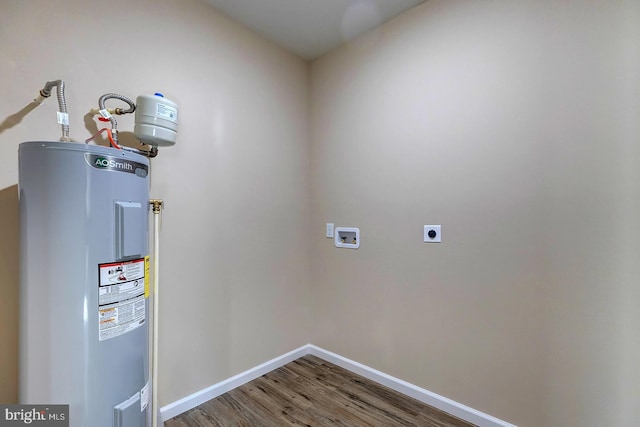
(329, 232)
(432, 233)
(347, 237)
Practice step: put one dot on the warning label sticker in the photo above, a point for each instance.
(144, 396)
(121, 297)
(147, 276)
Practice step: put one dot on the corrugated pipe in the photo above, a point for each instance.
(63, 119)
(119, 111)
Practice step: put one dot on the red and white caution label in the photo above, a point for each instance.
(121, 298)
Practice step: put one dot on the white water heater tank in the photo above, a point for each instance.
(156, 120)
(84, 282)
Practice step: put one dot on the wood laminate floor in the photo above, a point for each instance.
(312, 392)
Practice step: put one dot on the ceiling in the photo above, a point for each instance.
(311, 28)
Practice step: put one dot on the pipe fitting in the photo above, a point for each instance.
(156, 205)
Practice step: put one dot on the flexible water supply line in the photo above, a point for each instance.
(119, 111)
(157, 207)
(63, 117)
(114, 144)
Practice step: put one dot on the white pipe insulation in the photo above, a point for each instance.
(157, 206)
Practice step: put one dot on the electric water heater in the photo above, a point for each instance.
(85, 282)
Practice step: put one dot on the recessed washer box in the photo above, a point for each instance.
(347, 237)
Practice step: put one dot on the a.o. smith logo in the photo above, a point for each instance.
(35, 415)
(104, 163)
(116, 164)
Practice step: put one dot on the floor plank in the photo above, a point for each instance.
(314, 393)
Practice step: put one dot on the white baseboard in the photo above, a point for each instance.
(198, 398)
(445, 404)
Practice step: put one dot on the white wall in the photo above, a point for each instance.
(515, 126)
(234, 290)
